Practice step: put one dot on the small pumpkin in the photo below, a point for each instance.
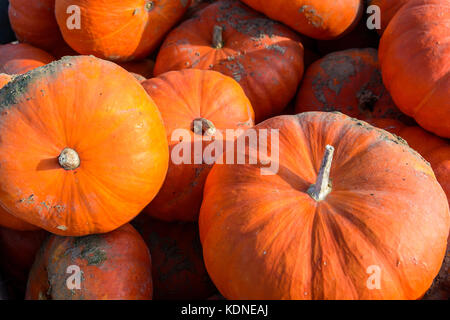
(348, 81)
(265, 57)
(414, 54)
(203, 103)
(319, 19)
(388, 9)
(6, 34)
(348, 201)
(434, 149)
(34, 22)
(119, 30)
(88, 129)
(114, 266)
(17, 253)
(18, 58)
(178, 269)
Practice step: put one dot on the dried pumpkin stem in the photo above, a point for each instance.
(203, 126)
(69, 159)
(322, 187)
(218, 37)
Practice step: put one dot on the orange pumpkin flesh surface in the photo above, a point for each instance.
(34, 22)
(183, 98)
(4, 79)
(388, 9)
(119, 30)
(319, 19)
(348, 81)
(17, 252)
(265, 57)
(114, 266)
(21, 57)
(267, 237)
(178, 269)
(89, 145)
(414, 54)
(434, 149)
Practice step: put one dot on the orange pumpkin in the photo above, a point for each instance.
(89, 145)
(265, 57)
(388, 9)
(186, 97)
(350, 82)
(19, 58)
(319, 19)
(113, 266)
(351, 209)
(414, 54)
(34, 22)
(434, 149)
(178, 269)
(119, 30)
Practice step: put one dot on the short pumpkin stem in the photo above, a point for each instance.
(69, 159)
(203, 126)
(322, 187)
(218, 37)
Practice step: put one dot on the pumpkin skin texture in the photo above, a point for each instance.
(434, 149)
(4, 79)
(183, 97)
(350, 82)
(115, 266)
(388, 9)
(6, 34)
(384, 208)
(17, 252)
(178, 269)
(34, 22)
(319, 19)
(21, 57)
(107, 26)
(88, 129)
(10, 221)
(265, 57)
(418, 78)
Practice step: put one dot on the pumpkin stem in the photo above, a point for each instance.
(203, 126)
(69, 159)
(322, 188)
(218, 37)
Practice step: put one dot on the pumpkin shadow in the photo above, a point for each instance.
(48, 164)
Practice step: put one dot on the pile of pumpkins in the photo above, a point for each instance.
(94, 92)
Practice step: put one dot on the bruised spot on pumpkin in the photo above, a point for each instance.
(90, 248)
(311, 15)
(62, 227)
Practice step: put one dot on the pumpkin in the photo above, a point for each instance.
(113, 266)
(178, 269)
(17, 252)
(34, 22)
(6, 34)
(265, 57)
(348, 81)
(119, 30)
(89, 145)
(351, 209)
(388, 9)
(319, 19)
(440, 290)
(414, 54)
(20, 58)
(143, 68)
(203, 103)
(10, 221)
(433, 149)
